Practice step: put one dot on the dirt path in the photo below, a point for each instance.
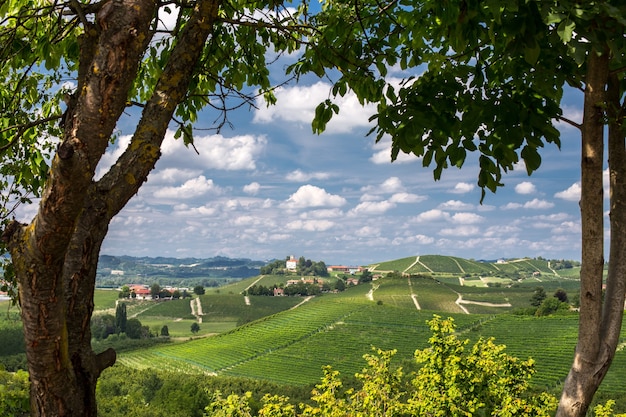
(460, 301)
(196, 309)
(370, 293)
(413, 295)
(302, 302)
(459, 265)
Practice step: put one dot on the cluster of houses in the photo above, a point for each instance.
(143, 292)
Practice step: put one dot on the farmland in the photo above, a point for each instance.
(287, 340)
(391, 312)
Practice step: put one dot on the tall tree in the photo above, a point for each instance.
(100, 58)
(488, 78)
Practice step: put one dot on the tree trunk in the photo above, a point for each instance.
(599, 322)
(55, 257)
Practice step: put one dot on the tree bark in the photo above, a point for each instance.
(599, 322)
(55, 257)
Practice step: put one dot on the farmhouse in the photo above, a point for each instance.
(291, 263)
(141, 291)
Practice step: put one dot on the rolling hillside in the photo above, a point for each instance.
(291, 346)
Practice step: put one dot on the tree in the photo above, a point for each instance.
(134, 329)
(195, 327)
(488, 79)
(165, 331)
(538, 296)
(561, 295)
(70, 70)
(124, 292)
(550, 306)
(155, 291)
(198, 290)
(120, 318)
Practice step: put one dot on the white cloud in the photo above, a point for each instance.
(372, 207)
(252, 188)
(297, 105)
(431, 216)
(462, 188)
(567, 228)
(461, 231)
(571, 194)
(538, 204)
(214, 151)
(172, 175)
(322, 214)
(511, 206)
(299, 176)
(525, 187)
(406, 198)
(455, 205)
(367, 231)
(414, 239)
(312, 196)
(391, 185)
(190, 189)
(310, 225)
(467, 218)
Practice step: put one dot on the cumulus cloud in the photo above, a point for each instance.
(467, 218)
(252, 188)
(460, 231)
(172, 175)
(312, 196)
(525, 187)
(414, 239)
(534, 204)
(214, 152)
(406, 198)
(431, 216)
(367, 231)
(538, 204)
(462, 188)
(372, 207)
(455, 205)
(390, 185)
(190, 189)
(300, 176)
(570, 194)
(297, 105)
(310, 225)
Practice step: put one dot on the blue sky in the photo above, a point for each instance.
(269, 188)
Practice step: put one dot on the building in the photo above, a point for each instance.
(291, 264)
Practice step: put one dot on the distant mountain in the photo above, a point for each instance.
(218, 266)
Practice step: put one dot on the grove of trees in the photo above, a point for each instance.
(491, 79)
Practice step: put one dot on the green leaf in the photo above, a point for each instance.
(565, 30)
(532, 159)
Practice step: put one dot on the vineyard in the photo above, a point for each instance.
(292, 346)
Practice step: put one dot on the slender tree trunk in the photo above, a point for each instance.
(56, 255)
(599, 322)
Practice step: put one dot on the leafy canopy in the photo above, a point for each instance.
(487, 77)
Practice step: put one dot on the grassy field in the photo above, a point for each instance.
(287, 340)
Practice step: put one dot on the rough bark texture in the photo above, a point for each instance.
(599, 322)
(56, 255)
